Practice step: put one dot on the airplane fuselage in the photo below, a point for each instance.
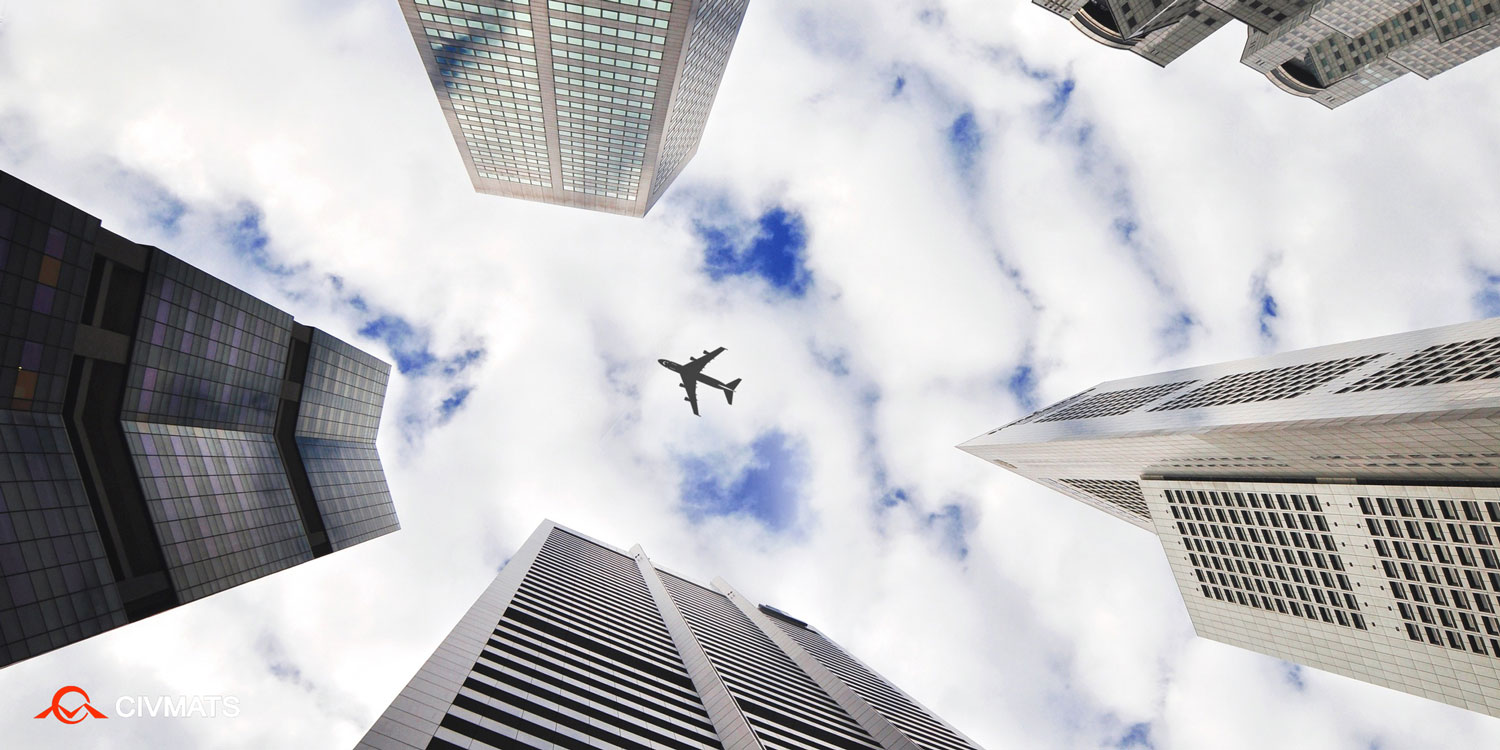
(700, 377)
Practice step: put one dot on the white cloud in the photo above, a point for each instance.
(1060, 628)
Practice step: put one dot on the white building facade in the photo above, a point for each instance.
(1337, 507)
(1330, 51)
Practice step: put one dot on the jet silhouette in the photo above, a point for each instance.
(692, 375)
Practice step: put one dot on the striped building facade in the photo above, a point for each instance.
(578, 645)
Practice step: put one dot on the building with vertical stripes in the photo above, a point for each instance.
(594, 104)
(1337, 507)
(1329, 51)
(163, 435)
(578, 645)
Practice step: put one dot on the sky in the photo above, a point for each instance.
(909, 222)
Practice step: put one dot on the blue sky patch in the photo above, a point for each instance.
(775, 252)
(413, 357)
(1022, 385)
(965, 142)
(1177, 334)
(1062, 94)
(1487, 299)
(949, 524)
(1267, 310)
(248, 239)
(767, 489)
(1138, 735)
(452, 403)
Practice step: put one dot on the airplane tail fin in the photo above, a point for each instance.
(729, 390)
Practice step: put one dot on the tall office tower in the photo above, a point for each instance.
(165, 436)
(593, 104)
(1336, 506)
(579, 646)
(1330, 51)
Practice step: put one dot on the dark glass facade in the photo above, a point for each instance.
(149, 418)
(579, 646)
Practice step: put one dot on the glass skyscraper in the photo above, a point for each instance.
(1330, 51)
(578, 646)
(165, 435)
(594, 104)
(1337, 507)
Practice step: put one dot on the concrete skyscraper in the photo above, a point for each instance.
(163, 435)
(1330, 51)
(1338, 507)
(593, 104)
(580, 646)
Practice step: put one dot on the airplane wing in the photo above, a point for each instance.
(696, 364)
(690, 384)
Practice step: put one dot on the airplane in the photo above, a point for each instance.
(692, 375)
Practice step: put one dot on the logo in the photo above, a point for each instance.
(71, 716)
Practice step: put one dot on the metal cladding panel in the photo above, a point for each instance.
(56, 585)
(221, 504)
(338, 419)
(138, 402)
(46, 250)
(206, 353)
(55, 582)
(1393, 585)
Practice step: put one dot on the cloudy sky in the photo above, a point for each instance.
(909, 222)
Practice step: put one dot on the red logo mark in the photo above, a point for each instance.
(71, 716)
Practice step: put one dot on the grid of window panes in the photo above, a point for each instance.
(342, 392)
(486, 54)
(337, 423)
(606, 61)
(221, 503)
(1265, 385)
(349, 486)
(1338, 56)
(1114, 402)
(55, 581)
(206, 354)
(781, 703)
(1124, 494)
(45, 255)
(714, 25)
(921, 727)
(1271, 551)
(580, 659)
(1443, 565)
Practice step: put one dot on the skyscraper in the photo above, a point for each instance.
(593, 104)
(165, 435)
(578, 645)
(1337, 507)
(1330, 51)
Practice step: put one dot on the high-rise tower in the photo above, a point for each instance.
(163, 435)
(1330, 51)
(593, 104)
(580, 646)
(1337, 507)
